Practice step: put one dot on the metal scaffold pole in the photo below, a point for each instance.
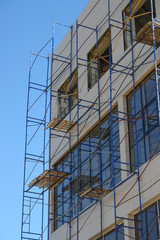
(111, 125)
(135, 123)
(50, 117)
(156, 24)
(99, 133)
(70, 136)
(78, 144)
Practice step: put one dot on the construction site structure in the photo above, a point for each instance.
(92, 152)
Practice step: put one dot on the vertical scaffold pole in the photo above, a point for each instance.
(50, 116)
(70, 155)
(155, 61)
(99, 130)
(44, 141)
(26, 134)
(135, 124)
(111, 123)
(78, 149)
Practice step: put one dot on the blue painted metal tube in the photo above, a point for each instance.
(88, 101)
(66, 99)
(38, 89)
(49, 162)
(127, 218)
(70, 154)
(80, 25)
(37, 84)
(38, 119)
(38, 234)
(30, 238)
(33, 198)
(57, 135)
(113, 20)
(130, 164)
(29, 225)
(60, 56)
(39, 123)
(57, 171)
(59, 60)
(78, 147)
(88, 107)
(99, 130)
(44, 143)
(125, 226)
(155, 61)
(85, 60)
(31, 192)
(119, 118)
(111, 122)
(24, 177)
(34, 155)
(115, 70)
(61, 24)
(134, 99)
(57, 214)
(119, 65)
(128, 114)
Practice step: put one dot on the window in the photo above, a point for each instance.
(147, 124)
(90, 169)
(137, 22)
(61, 196)
(103, 62)
(151, 228)
(111, 235)
(64, 95)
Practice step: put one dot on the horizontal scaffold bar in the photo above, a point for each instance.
(80, 25)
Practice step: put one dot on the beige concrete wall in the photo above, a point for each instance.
(94, 16)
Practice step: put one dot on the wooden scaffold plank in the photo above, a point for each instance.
(42, 181)
(145, 35)
(59, 125)
(94, 192)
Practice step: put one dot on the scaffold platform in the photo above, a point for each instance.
(94, 192)
(59, 125)
(145, 35)
(42, 181)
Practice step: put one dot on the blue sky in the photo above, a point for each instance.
(24, 25)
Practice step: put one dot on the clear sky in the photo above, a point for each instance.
(24, 25)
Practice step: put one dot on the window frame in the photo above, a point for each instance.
(144, 122)
(93, 180)
(93, 69)
(68, 93)
(112, 231)
(144, 213)
(125, 16)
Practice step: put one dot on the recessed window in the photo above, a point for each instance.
(151, 228)
(143, 9)
(90, 170)
(111, 235)
(102, 66)
(147, 121)
(67, 93)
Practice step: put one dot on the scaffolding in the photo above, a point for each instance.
(41, 177)
(36, 147)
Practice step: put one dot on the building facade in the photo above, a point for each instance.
(105, 126)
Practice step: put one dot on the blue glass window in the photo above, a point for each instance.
(147, 124)
(111, 235)
(150, 223)
(90, 169)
